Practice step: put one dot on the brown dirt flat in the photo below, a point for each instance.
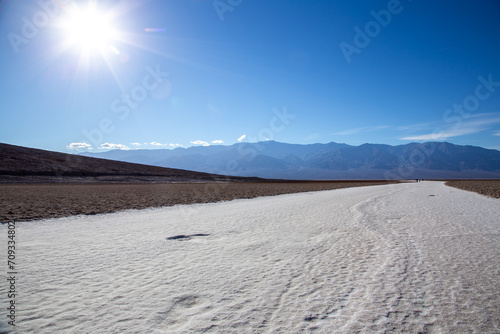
(484, 187)
(22, 202)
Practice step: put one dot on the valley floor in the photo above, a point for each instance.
(410, 257)
(485, 187)
(22, 202)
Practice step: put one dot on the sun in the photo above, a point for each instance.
(88, 29)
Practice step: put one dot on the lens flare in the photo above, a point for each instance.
(88, 29)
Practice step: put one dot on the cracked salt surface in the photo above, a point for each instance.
(372, 260)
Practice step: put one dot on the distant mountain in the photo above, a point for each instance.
(270, 159)
(22, 164)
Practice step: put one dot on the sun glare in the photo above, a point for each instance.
(89, 30)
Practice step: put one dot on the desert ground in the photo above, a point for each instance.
(485, 187)
(409, 257)
(22, 202)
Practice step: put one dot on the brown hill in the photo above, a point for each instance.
(21, 164)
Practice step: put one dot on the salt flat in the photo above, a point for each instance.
(415, 257)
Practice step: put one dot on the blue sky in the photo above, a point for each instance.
(169, 73)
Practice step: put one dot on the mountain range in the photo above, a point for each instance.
(28, 165)
(271, 159)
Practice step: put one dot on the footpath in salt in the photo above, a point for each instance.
(415, 257)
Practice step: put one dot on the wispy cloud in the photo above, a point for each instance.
(135, 144)
(441, 135)
(213, 109)
(312, 136)
(497, 134)
(218, 141)
(175, 145)
(242, 138)
(362, 129)
(79, 146)
(109, 146)
(474, 124)
(200, 142)
(416, 126)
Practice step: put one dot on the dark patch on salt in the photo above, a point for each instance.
(310, 318)
(183, 237)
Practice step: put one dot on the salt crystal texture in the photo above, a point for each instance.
(414, 257)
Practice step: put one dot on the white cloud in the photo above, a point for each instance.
(109, 146)
(497, 134)
(79, 146)
(242, 137)
(200, 142)
(154, 143)
(218, 141)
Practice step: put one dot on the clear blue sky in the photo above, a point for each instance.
(296, 71)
